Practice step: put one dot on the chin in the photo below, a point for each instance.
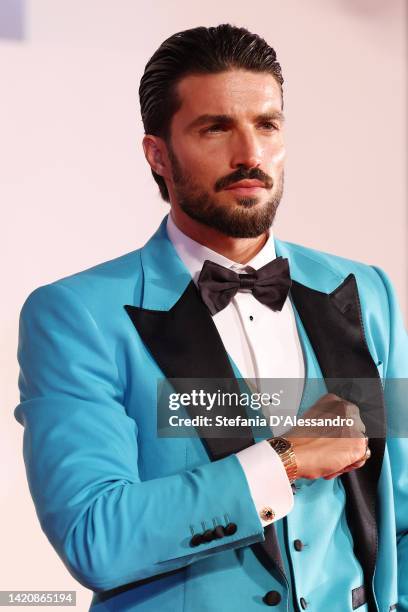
(249, 202)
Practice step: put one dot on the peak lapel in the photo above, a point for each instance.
(178, 329)
(334, 324)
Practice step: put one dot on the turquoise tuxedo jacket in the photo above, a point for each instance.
(120, 505)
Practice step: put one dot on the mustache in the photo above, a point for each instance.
(242, 174)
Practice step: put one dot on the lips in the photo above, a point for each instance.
(246, 184)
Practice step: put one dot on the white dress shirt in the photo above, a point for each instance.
(264, 344)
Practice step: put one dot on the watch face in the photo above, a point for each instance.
(280, 444)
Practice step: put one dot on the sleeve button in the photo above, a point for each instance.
(230, 529)
(208, 535)
(196, 540)
(219, 532)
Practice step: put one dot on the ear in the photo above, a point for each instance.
(154, 149)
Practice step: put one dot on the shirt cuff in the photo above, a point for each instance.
(268, 482)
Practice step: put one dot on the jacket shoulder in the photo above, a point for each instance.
(341, 265)
(100, 287)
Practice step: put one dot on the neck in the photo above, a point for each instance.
(239, 250)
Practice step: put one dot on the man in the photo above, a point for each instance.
(213, 524)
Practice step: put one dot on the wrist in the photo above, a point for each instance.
(284, 448)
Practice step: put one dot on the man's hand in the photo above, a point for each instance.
(326, 457)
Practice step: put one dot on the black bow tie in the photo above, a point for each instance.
(270, 284)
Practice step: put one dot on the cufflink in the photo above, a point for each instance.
(267, 514)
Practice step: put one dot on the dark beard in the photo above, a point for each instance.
(240, 221)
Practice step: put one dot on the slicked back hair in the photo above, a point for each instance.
(196, 51)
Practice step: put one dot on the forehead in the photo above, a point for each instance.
(234, 92)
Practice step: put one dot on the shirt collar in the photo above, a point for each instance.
(193, 254)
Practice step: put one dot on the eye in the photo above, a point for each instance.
(270, 126)
(212, 129)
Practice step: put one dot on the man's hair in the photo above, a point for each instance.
(196, 51)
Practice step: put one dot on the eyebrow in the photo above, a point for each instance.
(208, 118)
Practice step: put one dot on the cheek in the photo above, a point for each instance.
(277, 155)
(202, 164)
(209, 153)
(194, 157)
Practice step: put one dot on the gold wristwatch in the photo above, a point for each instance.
(285, 451)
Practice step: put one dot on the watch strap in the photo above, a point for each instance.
(284, 448)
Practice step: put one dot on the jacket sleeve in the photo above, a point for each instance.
(81, 456)
(396, 388)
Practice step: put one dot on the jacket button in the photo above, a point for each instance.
(272, 598)
(298, 544)
(196, 539)
(303, 603)
(230, 529)
(208, 535)
(219, 532)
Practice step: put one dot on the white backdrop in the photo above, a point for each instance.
(76, 190)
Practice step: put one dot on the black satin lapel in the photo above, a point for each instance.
(334, 325)
(186, 344)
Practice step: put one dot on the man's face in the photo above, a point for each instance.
(229, 129)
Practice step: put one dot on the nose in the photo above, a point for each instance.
(246, 150)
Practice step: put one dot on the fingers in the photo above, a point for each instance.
(350, 468)
(353, 412)
(333, 450)
(331, 405)
(354, 466)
